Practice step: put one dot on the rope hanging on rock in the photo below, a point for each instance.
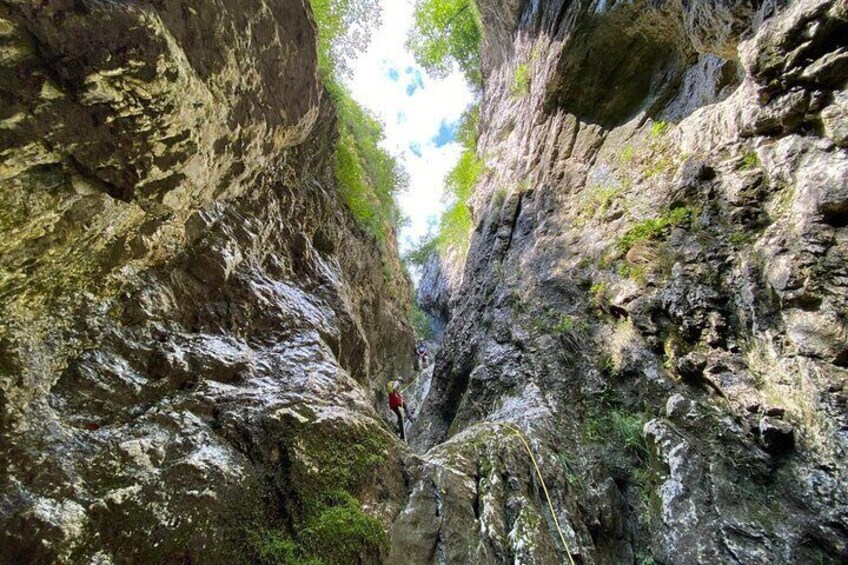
(523, 439)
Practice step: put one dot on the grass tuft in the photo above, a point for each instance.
(750, 161)
(659, 129)
(521, 81)
(628, 154)
(653, 228)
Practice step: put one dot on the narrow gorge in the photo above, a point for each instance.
(643, 344)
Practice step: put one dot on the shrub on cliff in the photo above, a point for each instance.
(421, 251)
(368, 177)
(456, 222)
(421, 322)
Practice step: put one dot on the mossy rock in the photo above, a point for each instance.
(338, 533)
(343, 533)
(328, 466)
(332, 456)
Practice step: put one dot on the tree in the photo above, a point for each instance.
(447, 32)
(344, 29)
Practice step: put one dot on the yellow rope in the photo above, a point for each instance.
(520, 435)
(421, 372)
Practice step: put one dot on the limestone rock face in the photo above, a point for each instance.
(441, 278)
(194, 331)
(659, 302)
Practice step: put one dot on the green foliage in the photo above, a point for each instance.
(447, 32)
(623, 428)
(638, 273)
(344, 29)
(343, 533)
(338, 458)
(536, 53)
(599, 293)
(421, 251)
(420, 322)
(326, 524)
(600, 199)
(641, 231)
(627, 429)
(456, 223)
(750, 161)
(561, 324)
(572, 475)
(565, 324)
(659, 129)
(274, 547)
(740, 237)
(598, 289)
(338, 532)
(469, 122)
(462, 178)
(520, 81)
(660, 164)
(653, 228)
(628, 154)
(368, 177)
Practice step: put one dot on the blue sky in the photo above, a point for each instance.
(447, 133)
(420, 114)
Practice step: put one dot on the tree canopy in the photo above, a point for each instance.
(447, 32)
(344, 29)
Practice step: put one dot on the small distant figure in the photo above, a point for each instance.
(396, 402)
(423, 354)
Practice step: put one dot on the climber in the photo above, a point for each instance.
(396, 403)
(423, 354)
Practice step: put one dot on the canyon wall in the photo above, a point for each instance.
(194, 332)
(656, 291)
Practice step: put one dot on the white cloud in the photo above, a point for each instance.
(410, 120)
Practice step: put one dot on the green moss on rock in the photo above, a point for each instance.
(332, 458)
(343, 533)
(328, 463)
